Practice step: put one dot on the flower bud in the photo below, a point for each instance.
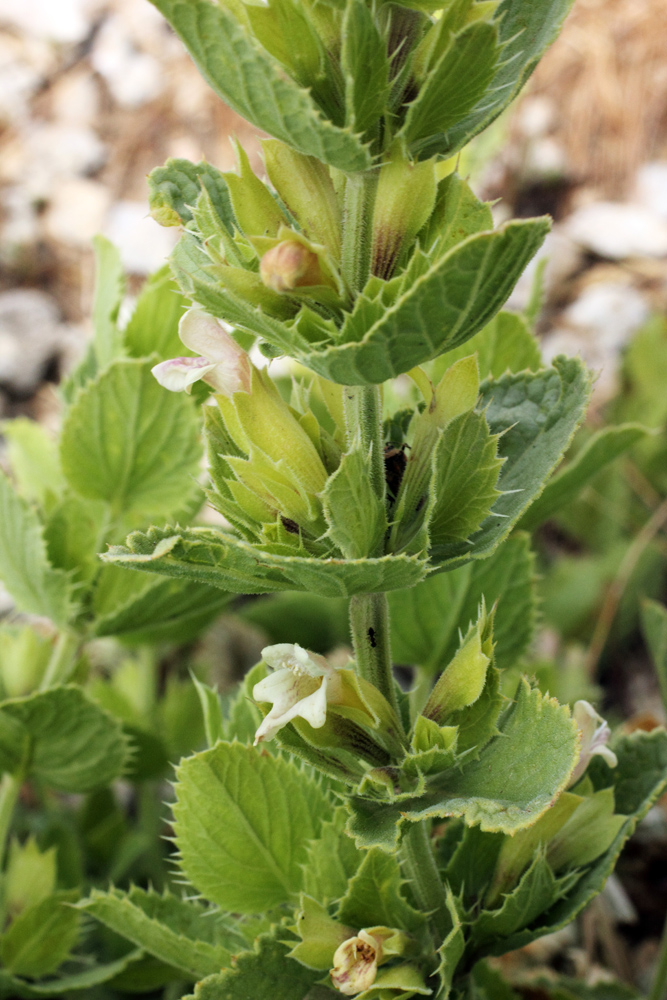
(290, 265)
(355, 963)
(595, 734)
(405, 199)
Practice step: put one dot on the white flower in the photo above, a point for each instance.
(595, 734)
(299, 687)
(222, 363)
(355, 963)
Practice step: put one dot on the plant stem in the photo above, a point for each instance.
(10, 786)
(369, 625)
(356, 249)
(421, 869)
(61, 663)
(363, 419)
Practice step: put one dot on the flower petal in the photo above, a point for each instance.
(178, 374)
(205, 335)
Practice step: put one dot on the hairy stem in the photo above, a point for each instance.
(363, 420)
(369, 625)
(357, 212)
(420, 868)
(61, 663)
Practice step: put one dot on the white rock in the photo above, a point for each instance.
(77, 212)
(651, 188)
(60, 21)
(20, 225)
(30, 336)
(46, 153)
(618, 231)
(536, 116)
(545, 160)
(144, 245)
(563, 258)
(133, 77)
(19, 78)
(75, 98)
(597, 326)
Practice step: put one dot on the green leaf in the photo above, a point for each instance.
(243, 715)
(242, 823)
(210, 556)
(451, 950)
(25, 570)
(266, 972)
(654, 626)
(458, 213)
(153, 326)
(332, 860)
(565, 988)
(454, 84)
(507, 787)
(536, 892)
(41, 938)
(355, 513)
(317, 623)
(457, 296)
(504, 345)
(24, 657)
(639, 778)
(211, 710)
(74, 531)
(525, 31)
(463, 489)
(602, 448)
(244, 75)
(29, 877)
(109, 292)
(365, 67)
(128, 442)
(33, 458)
(139, 608)
(178, 933)
(536, 416)
(67, 741)
(11, 987)
(425, 620)
(374, 896)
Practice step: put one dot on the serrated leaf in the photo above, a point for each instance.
(219, 558)
(265, 972)
(25, 570)
(507, 787)
(458, 294)
(535, 893)
(425, 620)
(41, 938)
(451, 950)
(66, 740)
(458, 213)
(242, 822)
(464, 481)
(243, 715)
(332, 860)
(10, 986)
(654, 627)
(374, 897)
(525, 31)
(128, 442)
(504, 345)
(174, 931)
(536, 416)
(33, 458)
(211, 710)
(244, 75)
(153, 326)
(638, 779)
(139, 608)
(355, 514)
(365, 67)
(454, 85)
(603, 447)
(74, 530)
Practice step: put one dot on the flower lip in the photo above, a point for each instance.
(221, 363)
(297, 688)
(595, 734)
(355, 963)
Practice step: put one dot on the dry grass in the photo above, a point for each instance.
(607, 75)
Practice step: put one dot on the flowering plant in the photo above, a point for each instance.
(342, 834)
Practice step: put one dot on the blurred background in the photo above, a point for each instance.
(95, 93)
